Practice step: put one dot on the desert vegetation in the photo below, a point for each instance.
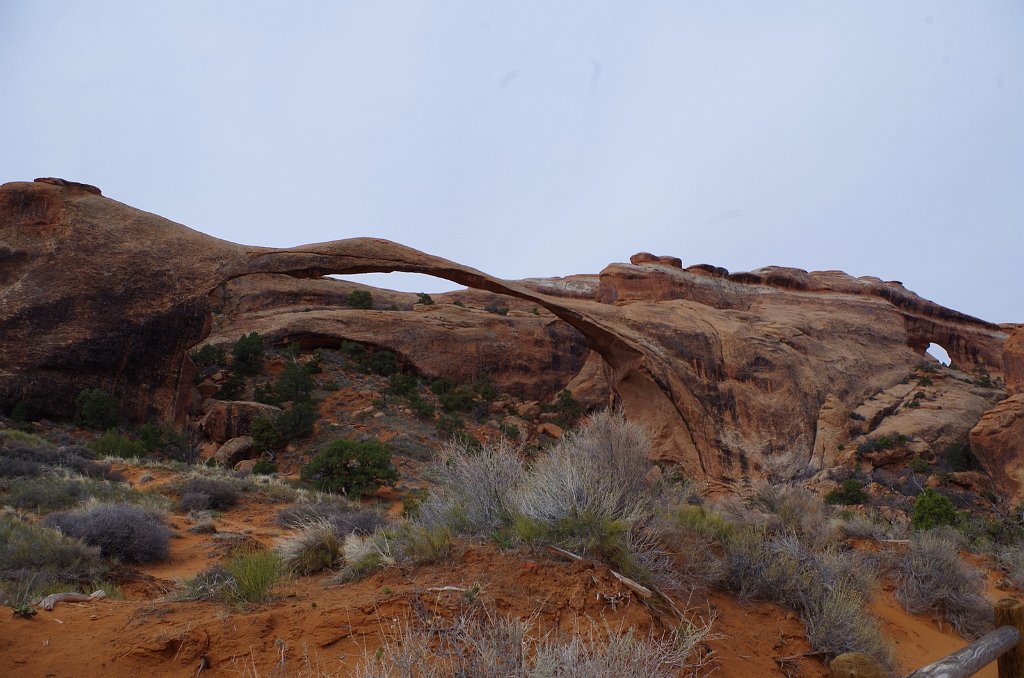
(589, 498)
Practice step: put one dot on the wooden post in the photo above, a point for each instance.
(973, 658)
(856, 665)
(1010, 612)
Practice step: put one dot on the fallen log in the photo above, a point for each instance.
(49, 601)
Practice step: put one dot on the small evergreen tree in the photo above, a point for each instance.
(360, 299)
(247, 354)
(351, 467)
(932, 509)
(96, 409)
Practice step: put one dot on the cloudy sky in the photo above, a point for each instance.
(548, 138)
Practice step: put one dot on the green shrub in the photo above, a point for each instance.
(458, 303)
(402, 384)
(254, 573)
(297, 421)
(20, 413)
(96, 409)
(351, 467)
(919, 465)
(457, 399)
(247, 354)
(496, 308)
(931, 510)
(210, 356)
(425, 299)
(383, 363)
(231, 388)
(566, 407)
(441, 385)
(959, 457)
(264, 467)
(509, 430)
(293, 385)
(113, 444)
(850, 492)
(882, 443)
(361, 299)
(420, 407)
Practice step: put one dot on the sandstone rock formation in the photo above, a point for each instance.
(998, 441)
(225, 420)
(735, 374)
(526, 352)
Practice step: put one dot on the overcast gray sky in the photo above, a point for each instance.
(548, 138)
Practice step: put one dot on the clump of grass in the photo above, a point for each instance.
(933, 578)
(114, 444)
(363, 555)
(31, 457)
(33, 556)
(201, 494)
(420, 544)
(490, 645)
(122, 531)
(316, 546)
(344, 519)
(254, 571)
(48, 493)
(210, 584)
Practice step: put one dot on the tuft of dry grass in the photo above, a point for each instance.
(315, 546)
(933, 578)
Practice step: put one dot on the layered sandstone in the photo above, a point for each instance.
(735, 374)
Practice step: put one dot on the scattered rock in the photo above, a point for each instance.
(549, 429)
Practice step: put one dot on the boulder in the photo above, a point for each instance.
(234, 451)
(648, 258)
(227, 419)
(550, 429)
(998, 443)
(246, 466)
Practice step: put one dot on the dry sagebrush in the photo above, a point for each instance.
(933, 578)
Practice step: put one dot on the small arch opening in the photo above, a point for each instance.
(936, 351)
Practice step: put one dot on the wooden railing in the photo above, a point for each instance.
(1002, 645)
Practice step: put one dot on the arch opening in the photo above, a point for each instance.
(402, 282)
(939, 353)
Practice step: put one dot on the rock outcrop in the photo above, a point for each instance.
(735, 374)
(998, 442)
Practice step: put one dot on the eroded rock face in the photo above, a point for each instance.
(735, 374)
(998, 442)
(1013, 361)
